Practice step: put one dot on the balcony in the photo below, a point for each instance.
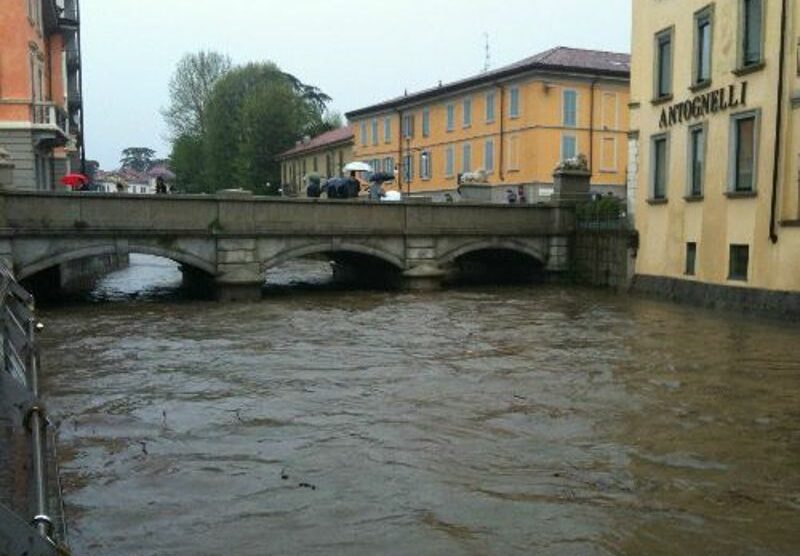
(50, 124)
(69, 16)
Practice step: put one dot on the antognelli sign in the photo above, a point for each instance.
(702, 105)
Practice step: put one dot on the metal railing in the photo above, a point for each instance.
(602, 214)
(31, 508)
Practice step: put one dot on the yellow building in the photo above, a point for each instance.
(516, 123)
(715, 118)
(324, 155)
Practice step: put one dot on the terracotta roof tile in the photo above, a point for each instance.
(328, 138)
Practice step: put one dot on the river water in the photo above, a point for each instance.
(518, 420)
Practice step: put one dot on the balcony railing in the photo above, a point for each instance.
(48, 114)
(70, 17)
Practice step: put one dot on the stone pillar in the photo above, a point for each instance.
(558, 259)
(424, 277)
(6, 170)
(424, 273)
(239, 272)
(236, 292)
(571, 185)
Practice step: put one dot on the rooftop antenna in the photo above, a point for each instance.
(488, 61)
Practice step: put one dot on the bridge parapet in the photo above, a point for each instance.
(87, 212)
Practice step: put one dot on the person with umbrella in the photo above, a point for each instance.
(75, 181)
(354, 183)
(161, 186)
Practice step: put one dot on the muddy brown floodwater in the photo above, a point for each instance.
(519, 420)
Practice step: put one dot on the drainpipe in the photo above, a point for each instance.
(80, 85)
(591, 129)
(502, 116)
(400, 150)
(773, 235)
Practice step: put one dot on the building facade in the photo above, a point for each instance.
(516, 123)
(324, 155)
(715, 173)
(40, 90)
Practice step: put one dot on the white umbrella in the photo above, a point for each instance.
(358, 167)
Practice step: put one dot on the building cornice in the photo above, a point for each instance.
(481, 81)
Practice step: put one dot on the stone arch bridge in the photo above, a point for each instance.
(231, 240)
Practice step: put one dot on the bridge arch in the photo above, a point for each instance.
(327, 247)
(535, 252)
(53, 259)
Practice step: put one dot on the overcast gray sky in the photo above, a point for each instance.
(357, 51)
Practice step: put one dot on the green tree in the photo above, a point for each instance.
(137, 158)
(254, 113)
(330, 120)
(186, 161)
(189, 90)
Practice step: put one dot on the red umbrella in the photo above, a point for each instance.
(74, 180)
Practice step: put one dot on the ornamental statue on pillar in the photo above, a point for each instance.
(571, 181)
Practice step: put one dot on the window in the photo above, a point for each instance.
(387, 130)
(610, 105)
(425, 165)
(513, 103)
(467, 116)
(488, 155)
(513, 152)
(739, 262)
(364, 134)
(388, 165)
(743, 152)
(449, 161)
(663, 69)
(408, 168)
(315, 164)
(691, 258)
(490, 107)
(752, 30)
(659, 163)
(702, 46)
(608, 154)
(570, 108)
(569, 146)
(375, 131)
(466, 160)
(408, 126)
(426, 123)
(697, 160)
(451, 117)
